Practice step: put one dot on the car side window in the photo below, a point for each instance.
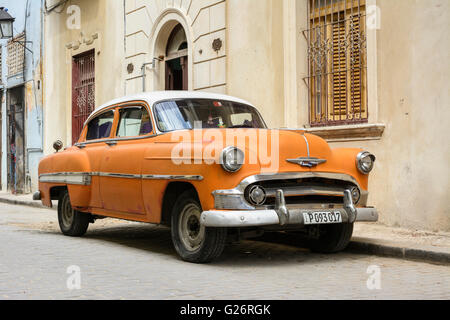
(133, 122)
(100, 126)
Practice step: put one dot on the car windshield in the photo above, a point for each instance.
(205, 113)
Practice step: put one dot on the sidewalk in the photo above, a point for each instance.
(23, 199)
(377, 239)
(368, 238)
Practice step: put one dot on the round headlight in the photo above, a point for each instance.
(232, 159)
(365, 161)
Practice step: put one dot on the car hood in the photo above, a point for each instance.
(269, 148)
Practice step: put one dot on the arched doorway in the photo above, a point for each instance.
(177, 60)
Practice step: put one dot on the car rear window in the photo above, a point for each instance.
(100, 126)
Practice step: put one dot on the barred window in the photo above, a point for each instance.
(337, 62)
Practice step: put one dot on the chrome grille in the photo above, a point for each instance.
(299, 191)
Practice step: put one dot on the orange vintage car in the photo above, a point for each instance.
(207, 166)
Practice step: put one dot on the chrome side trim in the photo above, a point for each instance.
(148, 176)
(117, 175)
(84, 178)
(78, 178)
(172, 177)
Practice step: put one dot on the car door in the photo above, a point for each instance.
(98, 131)
(121, 176)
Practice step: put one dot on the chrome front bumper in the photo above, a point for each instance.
(282, 215)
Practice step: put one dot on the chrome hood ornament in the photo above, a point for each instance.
(308, 162)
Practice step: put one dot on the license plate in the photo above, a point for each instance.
(322, 217)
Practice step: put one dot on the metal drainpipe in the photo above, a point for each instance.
(153, 63)
(143, 72)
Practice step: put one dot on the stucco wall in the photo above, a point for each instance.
(102, 29)
(148, 26)
(27, 16)
(264, 60)
(408, 61)
(410, 182)
(256, 56)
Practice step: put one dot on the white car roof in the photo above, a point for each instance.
(155, 96)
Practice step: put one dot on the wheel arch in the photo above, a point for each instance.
(56, 191)
(171, 193)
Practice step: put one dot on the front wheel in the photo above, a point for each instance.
(332, 238)
(192, 241)
(71, 222)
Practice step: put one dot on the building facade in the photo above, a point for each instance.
(21, 124)
(360, 73)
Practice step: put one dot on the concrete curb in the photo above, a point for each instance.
(31, 203)
(361, 246)
(370, 247)
(398, 252)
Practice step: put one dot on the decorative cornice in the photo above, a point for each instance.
(74, 45)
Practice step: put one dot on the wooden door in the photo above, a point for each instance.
(16, 148)
(177, 73)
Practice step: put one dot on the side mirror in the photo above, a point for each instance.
(57, 145)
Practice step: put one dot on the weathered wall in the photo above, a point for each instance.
(410, 182)
(101, 29)
(255, 53)
(28, 18)
(408, 63)
(264, 60)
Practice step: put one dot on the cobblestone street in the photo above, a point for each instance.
(126, 260)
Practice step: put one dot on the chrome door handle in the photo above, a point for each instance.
(111, 143)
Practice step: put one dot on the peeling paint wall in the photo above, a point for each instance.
(28, 19)
(101, 29)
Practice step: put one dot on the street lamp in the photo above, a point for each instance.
(6, 24)
(6, 28)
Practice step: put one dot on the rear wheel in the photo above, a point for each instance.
(192, 241)
(71, 222)
(332, 238)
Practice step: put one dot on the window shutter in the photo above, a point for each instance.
(337, 62)
(339, 75)
(357, 79)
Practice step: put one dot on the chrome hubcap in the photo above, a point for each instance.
(190, 230)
